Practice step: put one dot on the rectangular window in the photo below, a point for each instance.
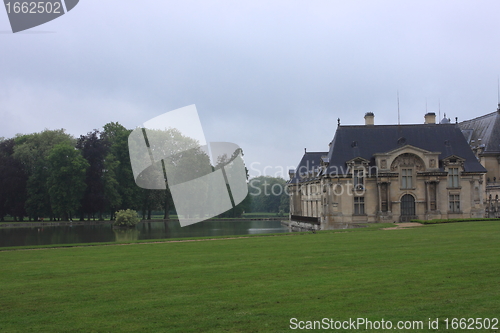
(455, 203)
(453, 180)
(358, 178)
(406, 178)
(359, 205)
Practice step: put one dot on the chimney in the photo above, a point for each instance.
(369, 118)
(430, 118)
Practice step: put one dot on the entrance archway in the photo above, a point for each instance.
(407, 208)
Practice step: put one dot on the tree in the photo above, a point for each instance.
(66, 182)
(243, 206)
(128, 191)
(151, 200)
(269, 194)
(13, 180)
(95, 148)
(176, 157)
(31, 151)
(111, 186)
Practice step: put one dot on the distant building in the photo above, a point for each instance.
(386, 173)
(483, 136)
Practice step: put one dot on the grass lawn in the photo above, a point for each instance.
(256, 284)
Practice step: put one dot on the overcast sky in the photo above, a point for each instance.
(270, 76)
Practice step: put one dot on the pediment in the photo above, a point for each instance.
(408, 155)
(453, 160)
(358, 160)
(408, 149)
(454, 157)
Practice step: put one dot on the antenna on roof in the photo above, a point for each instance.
(399, 118)
(498, 93)
(439, 109)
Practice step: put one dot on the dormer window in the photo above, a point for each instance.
(359, 181)
(453, 178)
(454, 164)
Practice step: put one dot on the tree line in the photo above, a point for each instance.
(55, 176)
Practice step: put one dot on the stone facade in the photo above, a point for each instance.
(483, 136)
(388, 173)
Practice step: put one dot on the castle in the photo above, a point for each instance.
(395, 173)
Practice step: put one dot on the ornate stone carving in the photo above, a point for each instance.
(453, 162)
(432, 163)
(408, 160)
(383, 164)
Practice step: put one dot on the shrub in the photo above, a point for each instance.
(454, 220)
(126, 218)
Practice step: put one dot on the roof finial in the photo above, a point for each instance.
(305, 150)
(498, 93)
(456, 120)
(338, 121)
(399, 118)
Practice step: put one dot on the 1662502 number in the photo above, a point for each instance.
(472, 323)
(39, 7)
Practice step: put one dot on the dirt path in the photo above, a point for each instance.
(399, 226)
(120, 244)
(404, 226)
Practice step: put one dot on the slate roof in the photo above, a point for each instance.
(365, 141)
(486, 128)
(309, 162)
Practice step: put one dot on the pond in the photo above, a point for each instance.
(90, 233)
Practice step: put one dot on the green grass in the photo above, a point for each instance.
(9, 219)
(13, 222)
(256, 284)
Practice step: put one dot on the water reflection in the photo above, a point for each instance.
(148, 230)
(126, 235)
